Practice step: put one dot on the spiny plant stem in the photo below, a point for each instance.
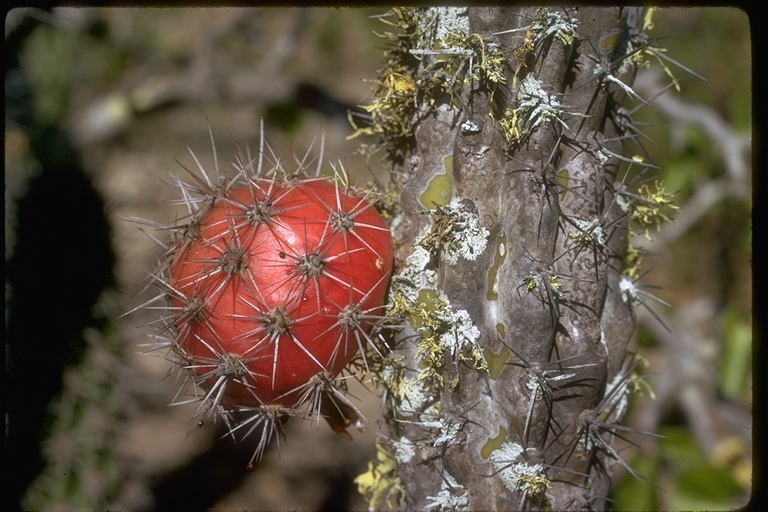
(521, 262)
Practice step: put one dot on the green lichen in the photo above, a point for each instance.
(534, 106)
(416, 296)
(405, 395)
(493, 443)
(496, 362)
(588, 232)
(534, 282)
(632, 262)
(488, 61)
(553, 24)
(444, 330)
(429, 320)
(439, 189)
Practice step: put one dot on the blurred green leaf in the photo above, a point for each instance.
(679, 446)
(703, 487)
(736, 359)
(47, 56)
(634, 494)
(693, 482)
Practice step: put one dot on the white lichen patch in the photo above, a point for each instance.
(417, 297)
(415, 394)
(452, 496)
(448, 20)
(445, 431)
(456, 233)
(539, 105)
(534, 107)
(552, 23)
(462, 340)
(462, 335)
(517, 474)
(415, 275)
(469, 127)
(403, 450)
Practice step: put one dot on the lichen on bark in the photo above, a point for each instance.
(526, 118)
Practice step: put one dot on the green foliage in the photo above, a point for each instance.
(50, 58)
(634, 494)
(735, 371)
(691, 480)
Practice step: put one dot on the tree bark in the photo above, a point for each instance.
(523, 427)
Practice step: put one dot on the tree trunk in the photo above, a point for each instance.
(505, 384)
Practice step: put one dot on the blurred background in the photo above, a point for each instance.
(102, 109)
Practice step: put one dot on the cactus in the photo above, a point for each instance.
(509, 379)
(273, 284)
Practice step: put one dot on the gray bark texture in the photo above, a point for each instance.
(532, 429)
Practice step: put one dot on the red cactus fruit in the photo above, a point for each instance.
(275, 282)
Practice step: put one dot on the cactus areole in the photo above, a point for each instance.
(275, 282)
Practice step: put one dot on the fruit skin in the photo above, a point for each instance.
(274, 282)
